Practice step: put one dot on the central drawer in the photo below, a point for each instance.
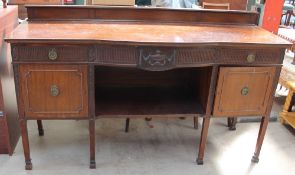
(54, 91)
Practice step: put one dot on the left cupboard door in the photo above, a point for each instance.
(54, 91)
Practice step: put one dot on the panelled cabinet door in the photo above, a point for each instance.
(54, 91)
(243, 91)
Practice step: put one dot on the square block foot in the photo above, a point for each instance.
(41, 132)
(29, 166)
(255, 159)
(92, 165)
(200, 161)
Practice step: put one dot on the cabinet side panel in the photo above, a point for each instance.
(8, 21)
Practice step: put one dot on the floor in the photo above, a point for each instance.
(168, 148)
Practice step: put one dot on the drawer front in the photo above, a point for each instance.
(54, 91)
(152, 58)
(250, 56)
(243, 91)
(164, 58)
(50, 54)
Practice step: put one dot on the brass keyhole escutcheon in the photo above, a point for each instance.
(251, 58)
(245, 91)
(54, 90)
(52, 54)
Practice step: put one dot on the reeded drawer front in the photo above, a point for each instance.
(50, 53)
(243, 91)
(146, 57)
(54, 91)
(250, 56)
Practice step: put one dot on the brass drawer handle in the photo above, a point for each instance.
(54, 90)
(251, 58)
(52, 54)
(245, 91)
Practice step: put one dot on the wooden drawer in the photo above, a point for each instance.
(50, 54)
(250, 56)
(54, 91)
(243, 91)
(152, 58)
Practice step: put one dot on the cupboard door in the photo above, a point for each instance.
(243, 91)
(54, 91)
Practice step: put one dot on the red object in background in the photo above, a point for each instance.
(272, 15)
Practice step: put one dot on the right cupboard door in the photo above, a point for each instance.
(243, 91)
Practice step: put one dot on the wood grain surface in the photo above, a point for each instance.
(136, 33)
(53, 12)
(230, 100)
(71, 98)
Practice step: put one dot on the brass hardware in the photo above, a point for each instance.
(52, 54)
(251, 58)
(156, 59)
(54, 90)
(245, 91)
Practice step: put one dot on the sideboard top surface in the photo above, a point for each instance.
(139, 33)
(138, 26)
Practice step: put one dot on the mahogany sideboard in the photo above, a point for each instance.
(9, 127)
(90, 62)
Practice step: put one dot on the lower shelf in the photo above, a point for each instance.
(146, 101)
(290, 120)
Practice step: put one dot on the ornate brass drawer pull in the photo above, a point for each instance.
(245, 91)
(52, 54)
(251, 58)
(54, 90)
